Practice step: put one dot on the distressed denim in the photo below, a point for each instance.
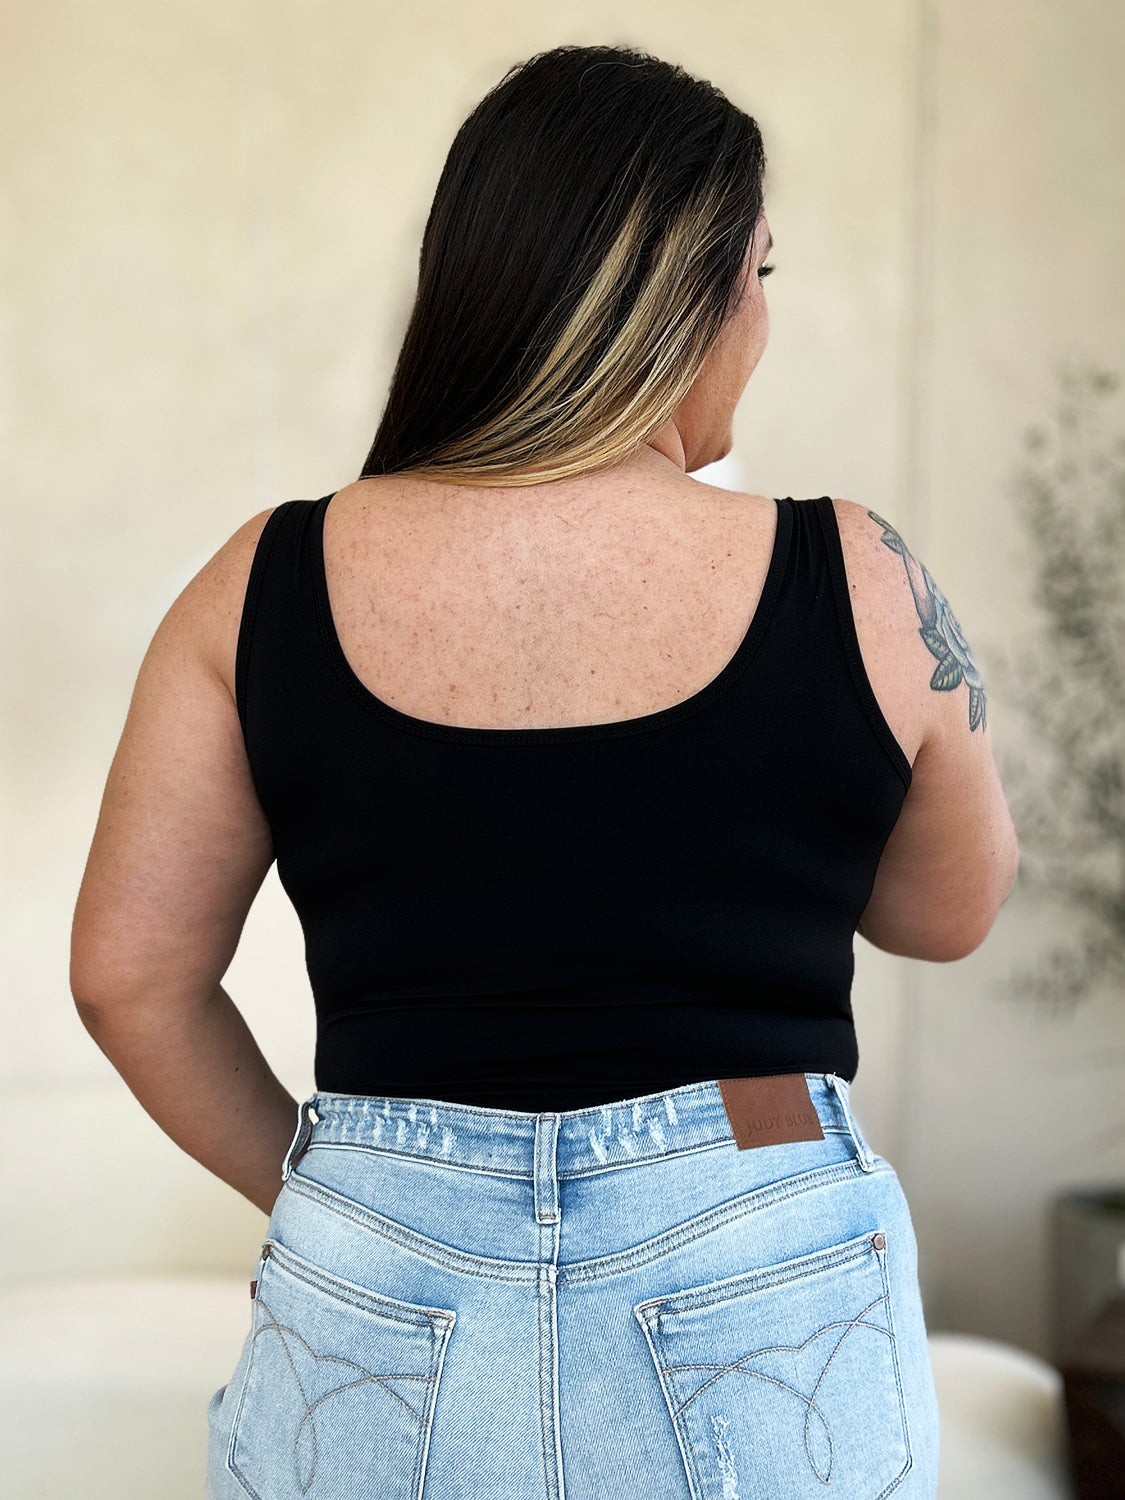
(614, 1303)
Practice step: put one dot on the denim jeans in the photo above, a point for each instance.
(613, 1303)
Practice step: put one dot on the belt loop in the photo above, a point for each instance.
(864, 1155)
(546, 1184)
(299, 1144)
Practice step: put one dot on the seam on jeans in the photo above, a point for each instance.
(378, 1305)
(527, 1272)
(346, 1107)
(761, 1279)
(414, 1157)
(338, 1112)
(484, 1170)
(715, 1218)
(885, 1270)
(547, 1367)
(410, 1239)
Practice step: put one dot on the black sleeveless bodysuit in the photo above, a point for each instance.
(548, 919)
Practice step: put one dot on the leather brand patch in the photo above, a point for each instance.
(770, 1110)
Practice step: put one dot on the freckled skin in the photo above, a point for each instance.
(940, 630)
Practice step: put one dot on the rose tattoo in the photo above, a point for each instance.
(942, 634)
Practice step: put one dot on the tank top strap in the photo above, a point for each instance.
(823, 554)
(276, 636)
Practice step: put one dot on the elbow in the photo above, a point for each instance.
(87, 988)
(96, 993)
(936, 944)
(967, 941)
(950, 953)
(1015, 868)
(89, 1002)
(960, 944)
(82, 993)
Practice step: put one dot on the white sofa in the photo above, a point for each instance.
(1003, 1421)
(104, 1384)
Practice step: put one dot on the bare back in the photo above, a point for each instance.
(563, 605)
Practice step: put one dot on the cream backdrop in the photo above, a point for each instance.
(217, 210)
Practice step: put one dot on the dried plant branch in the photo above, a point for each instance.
(1066, 786)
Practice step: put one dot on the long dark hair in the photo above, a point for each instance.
(583, 250)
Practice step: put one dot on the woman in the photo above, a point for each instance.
(581, 776)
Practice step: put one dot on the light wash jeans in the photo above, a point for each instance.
(614, 1303)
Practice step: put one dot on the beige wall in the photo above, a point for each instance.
(1025, 218)
(218, 210)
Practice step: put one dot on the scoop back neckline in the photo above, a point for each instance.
(659, 719)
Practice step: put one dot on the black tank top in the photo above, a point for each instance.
(548, 919)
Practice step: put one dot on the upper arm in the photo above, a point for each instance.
(952, 856)
(181, 844)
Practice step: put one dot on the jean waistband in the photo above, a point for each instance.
(517, 1143)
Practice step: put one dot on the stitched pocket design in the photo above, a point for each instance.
(340, 1388)
(786, 1380)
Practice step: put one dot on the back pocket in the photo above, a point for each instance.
(340, 1387)
(786, 1380)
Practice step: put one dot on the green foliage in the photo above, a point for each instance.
(1066, 784)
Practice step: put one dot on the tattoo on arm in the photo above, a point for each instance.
(943, 636)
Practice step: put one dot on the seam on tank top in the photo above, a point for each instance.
(251, 600)
(733, 672)
(837, 569)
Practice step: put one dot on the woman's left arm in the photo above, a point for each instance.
(180, 850)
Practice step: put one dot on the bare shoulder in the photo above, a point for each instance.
(209, 608)
(906, 626)
(730, 513)
(886, 619)
(876, 577)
